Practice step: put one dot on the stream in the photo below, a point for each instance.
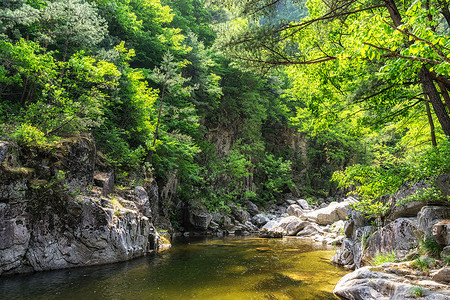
(208, 268)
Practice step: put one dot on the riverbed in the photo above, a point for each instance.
(214, 268)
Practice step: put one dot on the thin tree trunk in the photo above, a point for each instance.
(22, 99)
(430, 121)
(150, 156)
(433, 95)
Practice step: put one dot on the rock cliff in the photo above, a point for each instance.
(52, 216)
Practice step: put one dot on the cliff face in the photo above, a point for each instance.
(51, 217)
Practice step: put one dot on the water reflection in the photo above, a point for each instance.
(227, 268)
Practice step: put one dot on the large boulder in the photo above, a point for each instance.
(252, 208)
(284, 227)
(260, 220)
(199, 219)
(430, 215)
(294, 210)
(310, 229)
(335, 211)
(368, 283)
(399, 236)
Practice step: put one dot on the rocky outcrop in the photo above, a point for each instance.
(370, 283)
(50, 219)
(399, 236)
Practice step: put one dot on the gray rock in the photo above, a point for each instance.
(252, 208)
(284, 227)
(309, 229)
(430, 215)
(250, 227)
(85, 234)
(443, 183)
(4, 147)
(335, 211)
(105, 181)
(445, 252)
(294, 210)
(402, 208)
(143, 201)
(366, 284)
(303, 204)
(271, 230)
(260, 220)
(290, 202)
(199, 219)
(348, 228)
(399, 236)
(441, 232)
(442, 275)
(344, 255)
(239, 213)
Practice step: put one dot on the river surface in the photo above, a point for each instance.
(226, 268)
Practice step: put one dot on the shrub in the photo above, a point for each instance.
(29, 135)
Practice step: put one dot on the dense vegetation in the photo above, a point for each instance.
(226, 101)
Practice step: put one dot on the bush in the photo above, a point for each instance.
(29, 135)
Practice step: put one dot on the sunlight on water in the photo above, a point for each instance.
(228, 268)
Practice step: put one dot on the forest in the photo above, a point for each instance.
(228, 101)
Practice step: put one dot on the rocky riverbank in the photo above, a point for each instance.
(56, 211)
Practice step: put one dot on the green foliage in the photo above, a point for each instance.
(29, 135)
(423, 263)
(381, 258)
(446, 260)
(417, 291)
(277, 176)
(428, 246)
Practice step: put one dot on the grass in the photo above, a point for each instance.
(423, 263)
(428, 246)
(381, 258)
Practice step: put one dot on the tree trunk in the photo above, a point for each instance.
(430, 120)
(393, 12)
(433, 95)
(444, 93)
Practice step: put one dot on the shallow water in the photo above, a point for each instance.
(226, 268)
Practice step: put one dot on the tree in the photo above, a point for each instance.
(406, 43)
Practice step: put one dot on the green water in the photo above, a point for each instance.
(227, 268)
